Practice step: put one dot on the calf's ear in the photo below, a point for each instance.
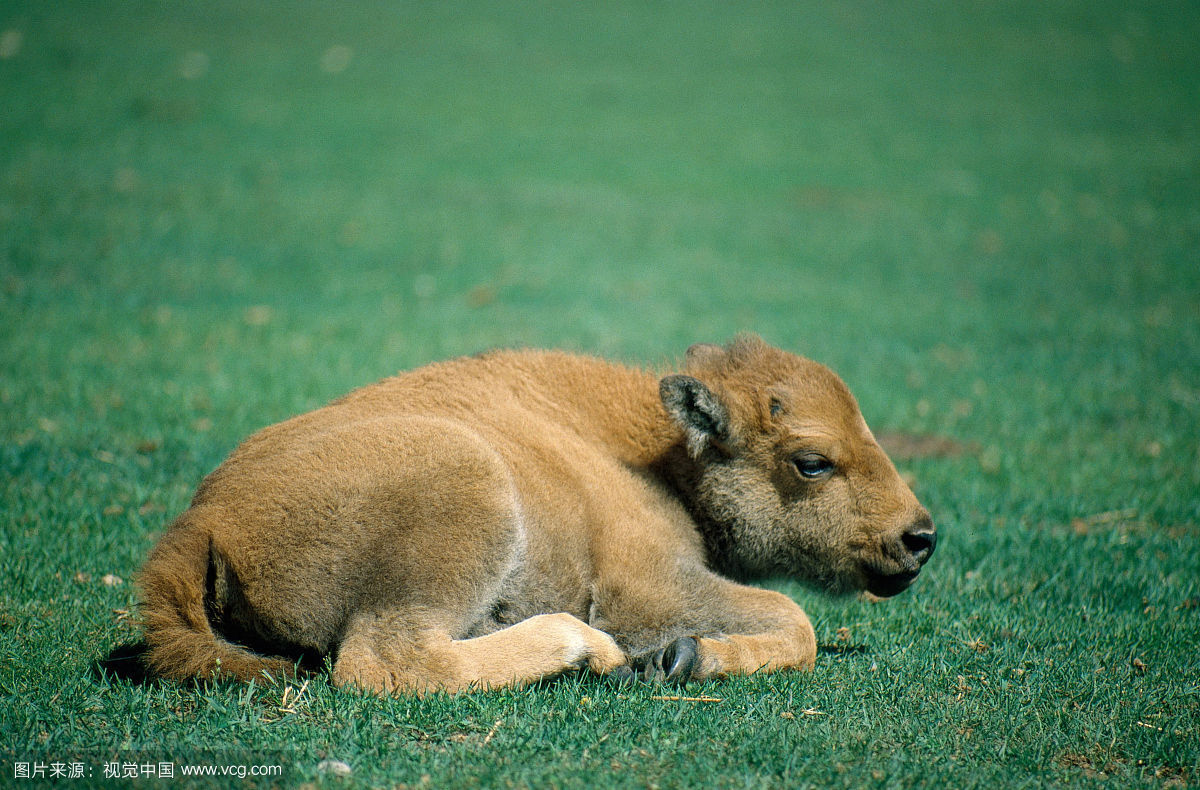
(697, 410)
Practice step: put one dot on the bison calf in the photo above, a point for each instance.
(494, 520)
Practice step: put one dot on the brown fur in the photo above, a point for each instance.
(497, 519)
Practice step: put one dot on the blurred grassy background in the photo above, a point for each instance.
(985, 216)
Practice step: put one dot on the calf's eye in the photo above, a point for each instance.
(812, 466)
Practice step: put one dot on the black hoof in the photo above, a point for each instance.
(679, 659)
(672, 664)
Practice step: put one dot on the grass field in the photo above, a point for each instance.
(985, 216)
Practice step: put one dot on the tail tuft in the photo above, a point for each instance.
(180, 638)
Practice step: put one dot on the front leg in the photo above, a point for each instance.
(786, 640)
(706, 626)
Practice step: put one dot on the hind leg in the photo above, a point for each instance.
(383, 653)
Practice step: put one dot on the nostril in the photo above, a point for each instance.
(921, 544)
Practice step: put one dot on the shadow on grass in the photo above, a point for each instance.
(842, 650)
(125, 663)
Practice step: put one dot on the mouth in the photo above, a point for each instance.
(885, 585)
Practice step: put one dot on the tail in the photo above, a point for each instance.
(180, 638)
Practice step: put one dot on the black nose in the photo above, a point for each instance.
(921, 539)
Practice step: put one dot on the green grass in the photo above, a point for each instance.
(983, 215)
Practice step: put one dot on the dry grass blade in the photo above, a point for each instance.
(292, 697)
(492, 732)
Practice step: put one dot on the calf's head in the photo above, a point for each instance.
(785, 477)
